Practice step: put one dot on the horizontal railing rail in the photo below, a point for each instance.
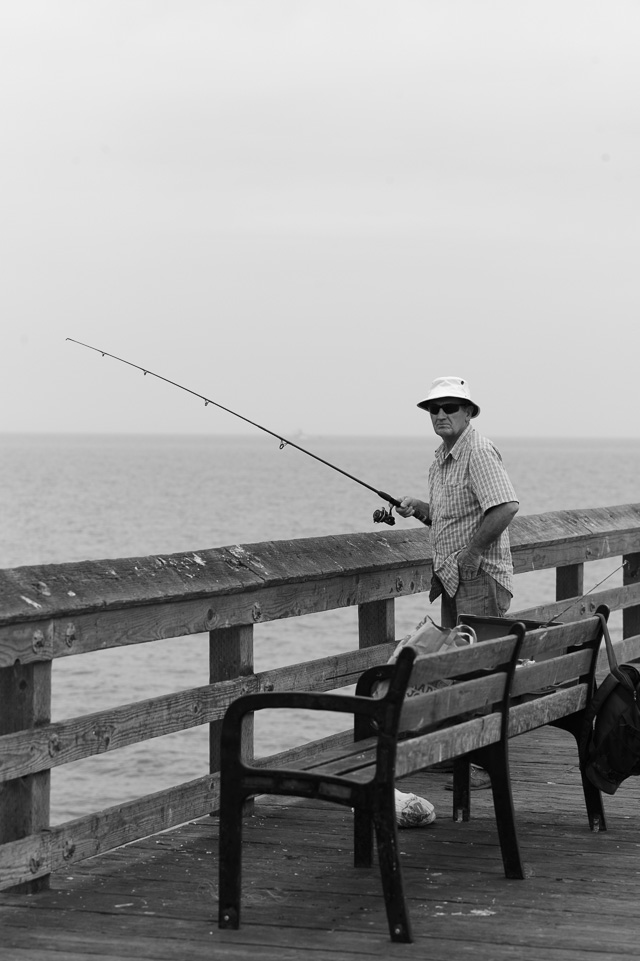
(62, 610)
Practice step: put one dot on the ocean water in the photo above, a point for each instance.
(68, 497)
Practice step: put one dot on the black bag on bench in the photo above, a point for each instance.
(610, 750)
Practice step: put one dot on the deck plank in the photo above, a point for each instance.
(156, 899)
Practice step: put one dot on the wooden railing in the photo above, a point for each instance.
(69, 609)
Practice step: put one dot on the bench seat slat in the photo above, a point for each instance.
(363, 755)
(337, 755)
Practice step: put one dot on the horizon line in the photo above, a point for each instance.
(299, 434)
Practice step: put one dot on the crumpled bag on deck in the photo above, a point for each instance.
(413, 811)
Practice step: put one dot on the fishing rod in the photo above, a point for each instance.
(576, 600)
(381, 516)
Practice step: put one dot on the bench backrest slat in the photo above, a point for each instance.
(429, 748)
(553, 640)
(557, 670)
(461, 661)
(448, 703)
(545, 709)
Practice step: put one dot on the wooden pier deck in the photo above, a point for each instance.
(157, 898)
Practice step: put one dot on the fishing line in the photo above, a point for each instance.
(382, 515)
(577, 600)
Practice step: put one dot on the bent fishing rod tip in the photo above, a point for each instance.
(383, 515)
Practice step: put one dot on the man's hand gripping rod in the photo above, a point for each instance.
(386, 517)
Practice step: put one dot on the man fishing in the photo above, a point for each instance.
(471, 504)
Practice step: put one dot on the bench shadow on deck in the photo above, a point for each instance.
(157, 898)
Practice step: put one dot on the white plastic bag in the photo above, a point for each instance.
(428, 638)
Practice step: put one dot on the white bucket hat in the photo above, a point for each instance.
(450, 387)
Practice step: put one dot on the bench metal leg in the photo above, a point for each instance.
(461, 788)
(384, 820)
(362, 838)
(592, 795)
(595, 807)
(495, 760)
(230, 861)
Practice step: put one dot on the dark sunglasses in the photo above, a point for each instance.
(447, 408)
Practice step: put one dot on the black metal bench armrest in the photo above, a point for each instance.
(352, 704)
(300, 700)
(383, 712)
(372, 676)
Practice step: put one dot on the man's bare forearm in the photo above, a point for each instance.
(495, 521)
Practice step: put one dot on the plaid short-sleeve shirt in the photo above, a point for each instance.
(463, 484)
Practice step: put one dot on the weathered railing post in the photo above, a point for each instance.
(230, 655)
(569, 581)
(376, 622)
(25, 702)
(631, 615)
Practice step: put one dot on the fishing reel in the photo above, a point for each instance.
(384, 516)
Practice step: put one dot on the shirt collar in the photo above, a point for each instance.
(456, 450)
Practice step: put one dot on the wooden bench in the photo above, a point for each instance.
(492, 699)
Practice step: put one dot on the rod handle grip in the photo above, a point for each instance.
(396, 503)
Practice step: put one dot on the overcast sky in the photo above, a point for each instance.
(308, 209)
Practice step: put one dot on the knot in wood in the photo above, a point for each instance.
(54, 745)
(38, 641)
(34, 864)
(68, 850)
(103, 737)
(399, 584)
(70, 635)
(256, 612)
